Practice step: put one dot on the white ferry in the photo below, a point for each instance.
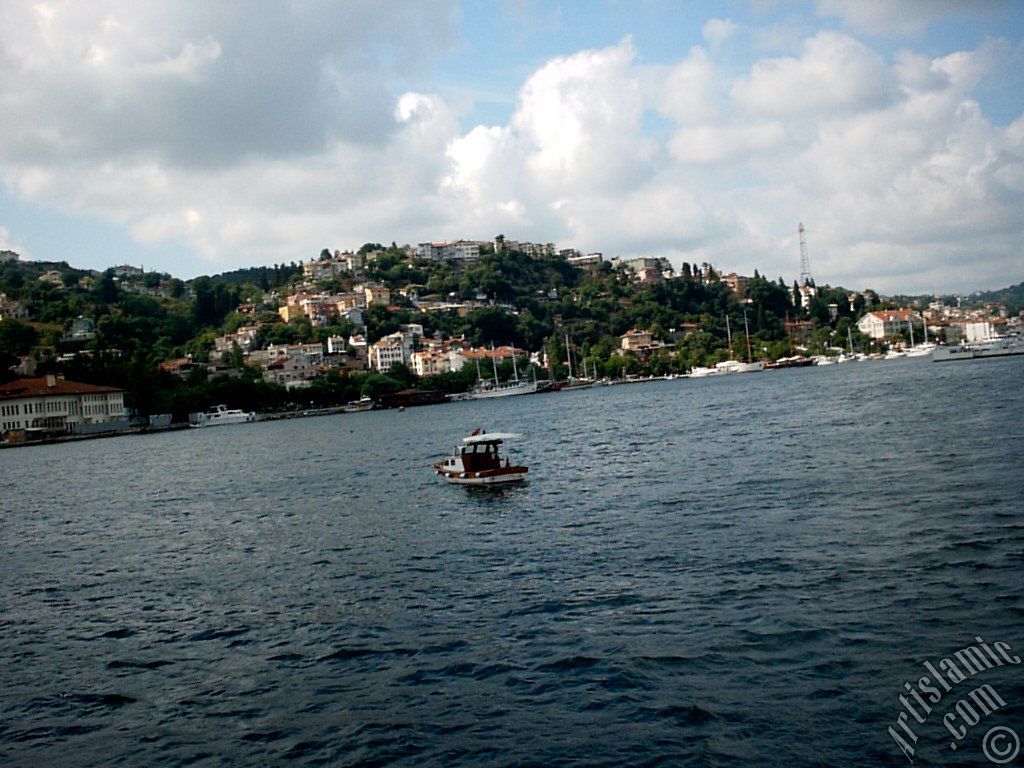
(478, 461)
(1000, 346)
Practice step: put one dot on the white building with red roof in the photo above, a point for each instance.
(887, 322)
(55, 404)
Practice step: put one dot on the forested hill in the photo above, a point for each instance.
(113, 326)
(1012, 298)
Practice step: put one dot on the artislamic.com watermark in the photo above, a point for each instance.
(1000, 744)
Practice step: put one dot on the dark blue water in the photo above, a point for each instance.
(708, 572)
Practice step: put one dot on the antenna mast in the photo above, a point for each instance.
(805, 263)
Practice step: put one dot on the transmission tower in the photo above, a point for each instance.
(805, 263)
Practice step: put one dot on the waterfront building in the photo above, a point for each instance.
(57, 405)
(886, 322)
(978, 330)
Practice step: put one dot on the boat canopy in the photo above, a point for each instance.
(489, 437)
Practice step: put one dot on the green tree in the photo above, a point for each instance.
(17, 338)
(106, 290)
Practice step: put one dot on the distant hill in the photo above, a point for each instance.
(264, 277)
(1012, 298)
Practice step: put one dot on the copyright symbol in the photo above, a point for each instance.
(1000, 744)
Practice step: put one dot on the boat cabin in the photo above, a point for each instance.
(482, 455)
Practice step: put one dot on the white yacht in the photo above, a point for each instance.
(485, 389)
(699, 371)
(922, 350)
(364, 403)
(221, 415)
(736, 366)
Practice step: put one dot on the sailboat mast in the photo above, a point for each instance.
(910, 324)
(515, 368)
(494, 362)
(728, 330)
(746, 330)
(568, 355)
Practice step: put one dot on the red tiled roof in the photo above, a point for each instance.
(176, 365)
(486, 354)
(37, 387)
(892, 314)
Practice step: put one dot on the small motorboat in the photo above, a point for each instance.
(478, 461)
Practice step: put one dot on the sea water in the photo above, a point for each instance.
(739, 570)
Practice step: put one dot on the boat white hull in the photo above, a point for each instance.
(224, 421)
(748, 367)
(522, 388)
(999, 348)
(475, 478)
(357, 407)
(922, 350)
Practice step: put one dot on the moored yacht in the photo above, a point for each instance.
(364, 403)
(699, 371)
(221, 415)
(737, 366)
(485, 389)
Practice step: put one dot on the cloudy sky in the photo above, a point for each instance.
(196, 137)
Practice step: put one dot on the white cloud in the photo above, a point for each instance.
(200, 126)
(202, 84)
(717, 31)
(576, 132)
(905, 17)
(709, 144)
(689, 91)
(834, 72)
(579, 117)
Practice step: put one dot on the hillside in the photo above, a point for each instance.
(118, 326)
(1012, 298)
